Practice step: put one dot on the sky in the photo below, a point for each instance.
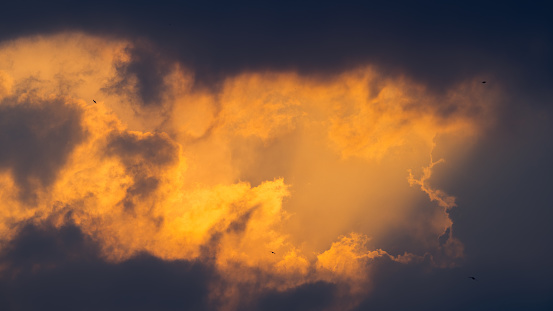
(275, 155)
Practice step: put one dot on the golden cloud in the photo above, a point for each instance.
(273, 172)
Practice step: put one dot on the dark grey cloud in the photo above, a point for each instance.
(60, 269)
(38, 247)
(420, 287)
(503, 220)
(36, 137)
(309, 296)
(51, 268)
(434, 42)
(504, 199)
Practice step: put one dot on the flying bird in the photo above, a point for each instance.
(483, 81)
(472, 278)
(273, 253)
(94, 101)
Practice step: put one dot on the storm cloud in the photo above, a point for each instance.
(59, 269)
(268, 156)
(439, 44)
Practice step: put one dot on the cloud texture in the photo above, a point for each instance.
(231, 181)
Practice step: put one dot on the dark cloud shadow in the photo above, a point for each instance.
(154, 150)
(61, 269)
(436, 43)
(310, 296)
(36, 138)
(420, 287)
(144, 74)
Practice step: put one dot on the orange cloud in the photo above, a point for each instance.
(267, 176)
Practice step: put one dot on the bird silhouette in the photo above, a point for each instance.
(472, 278)
(273, 253)
(94, 101)
(483, 81)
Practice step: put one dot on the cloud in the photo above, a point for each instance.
(38, 247)
(450, 247)
(310, 296)
(295, 124)
(142, 74)
(435, 43)
(444, 200)
(38, 136)
(272, 186)
(59, 269)
(134, 148)
(6, 84)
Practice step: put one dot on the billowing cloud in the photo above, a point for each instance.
(265, 191)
